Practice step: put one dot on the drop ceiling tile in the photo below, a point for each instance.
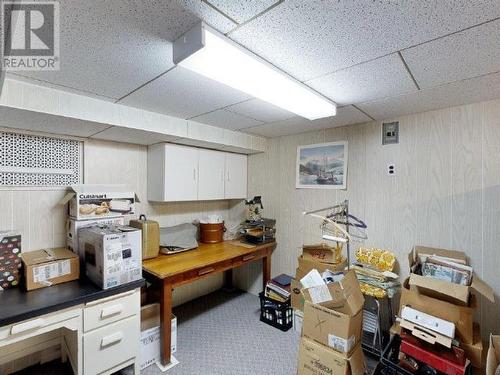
(308, 39)
(110, 48)
(227, 120)
(345, 116)
(182, 93)
(375, 79)
(242, 10)
(458, 93)
(260, 110)
(209, 15)
(463, 55)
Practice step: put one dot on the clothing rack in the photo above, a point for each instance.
(345, 207)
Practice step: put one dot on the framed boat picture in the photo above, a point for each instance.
(322, 166)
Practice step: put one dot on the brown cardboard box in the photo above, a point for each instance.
(337, 322)
(306, 265)
(474, 351)
(48, 267)
(322, 253)
(443, 290)
(462, 316)
(316, 359)
(296, 295)
(493, 357)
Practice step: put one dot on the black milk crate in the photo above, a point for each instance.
(275, 313)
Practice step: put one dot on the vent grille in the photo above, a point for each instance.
(31, 160)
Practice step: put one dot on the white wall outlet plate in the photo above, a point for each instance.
(391, 169)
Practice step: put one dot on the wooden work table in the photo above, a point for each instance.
(170, 271)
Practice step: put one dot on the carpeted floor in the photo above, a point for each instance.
(220, 334)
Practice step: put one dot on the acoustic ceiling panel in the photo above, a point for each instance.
(311, 38)
(112, 47)
(345, 116)
(260, 110)
(227, 120)
(182, 93)
(463, 55)
(242, 10)
(458, 93)
(375, 79)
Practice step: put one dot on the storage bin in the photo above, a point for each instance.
(212, 233)
(277, 314)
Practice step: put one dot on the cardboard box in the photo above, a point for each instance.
(322, 253)
(493, 357)
(113, 255)
(98, 201)
(297, 299)
(474, 351)
(306, 265)
(49, 267)
(462, 316)
(298, 320)
(316, 359)
(73, 225)
(150, 335)
(337, 322)
(10, 259)
(443, 290)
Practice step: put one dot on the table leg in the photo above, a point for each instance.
(266, 269)
(228, 280)
(166, 321)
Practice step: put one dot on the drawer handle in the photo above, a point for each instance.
(112, 310)
(113, 339)
(23, 327)
(205, 271)
(248, 257)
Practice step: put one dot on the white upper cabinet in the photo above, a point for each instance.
(182, 173)
(211, 175)
(236, 176)
(172, 173)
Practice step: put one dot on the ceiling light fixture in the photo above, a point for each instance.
(211, 54)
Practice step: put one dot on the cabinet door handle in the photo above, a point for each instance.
(228, 178)
(248, 257)
(194, 174)
(113, 339)
(111, 310)
(205, 271)
(23, 327)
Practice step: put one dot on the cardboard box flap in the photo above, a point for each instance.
(346, 295)
(95, 188)
(47, 255)
(493, 356)
(357, 362)
(453, 254)
(482, 288)
(150, 316)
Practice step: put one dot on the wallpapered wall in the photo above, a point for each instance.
(446, 192)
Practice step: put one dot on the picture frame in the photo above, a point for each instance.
(322, 166)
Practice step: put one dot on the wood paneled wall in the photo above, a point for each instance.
(42, 222)
(446, 192)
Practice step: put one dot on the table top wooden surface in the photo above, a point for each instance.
(205, 255)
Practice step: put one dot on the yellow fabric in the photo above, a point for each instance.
(382, 260)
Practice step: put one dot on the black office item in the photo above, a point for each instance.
(276, 314)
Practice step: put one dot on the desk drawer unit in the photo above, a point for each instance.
(101, 313)
(111, 345)
(32, 327)
(249, 258)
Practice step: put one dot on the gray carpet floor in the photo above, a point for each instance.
(220, 334)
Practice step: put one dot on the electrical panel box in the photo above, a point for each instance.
(390, 133)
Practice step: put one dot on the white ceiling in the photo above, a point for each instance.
(388, 58)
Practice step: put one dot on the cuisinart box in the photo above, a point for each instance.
(112, 254)
(73, 226)
(99, 201)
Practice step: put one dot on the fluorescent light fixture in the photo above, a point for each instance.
(212, 55)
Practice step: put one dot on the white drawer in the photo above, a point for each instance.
(109, 346)
(45, 323)
(98, 314)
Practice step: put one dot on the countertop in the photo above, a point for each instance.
(17, 305)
